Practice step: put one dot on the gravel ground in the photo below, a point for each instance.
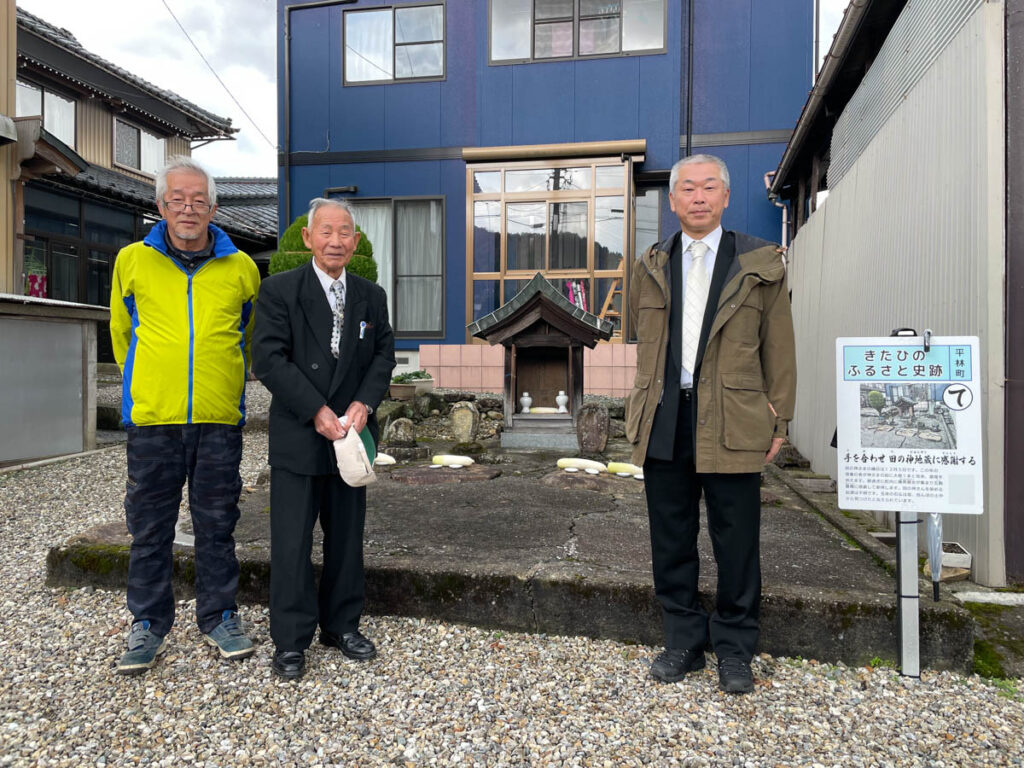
(439, 694)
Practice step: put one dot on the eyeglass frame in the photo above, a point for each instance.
(174, 205)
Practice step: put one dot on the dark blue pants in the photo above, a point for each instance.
(733, 504)
(160, 459)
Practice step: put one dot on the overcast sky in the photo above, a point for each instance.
(239, 38)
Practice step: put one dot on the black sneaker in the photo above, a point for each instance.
(735, 675)
(674, 664)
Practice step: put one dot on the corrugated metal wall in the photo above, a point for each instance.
(95, 132)
(922, 32)
(913, 236)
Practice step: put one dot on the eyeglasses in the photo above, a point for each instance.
(176, 206)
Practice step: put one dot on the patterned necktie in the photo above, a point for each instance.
(338, 289)
(695, 299)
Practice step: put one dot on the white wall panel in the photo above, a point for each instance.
(922, 32)
(912, 235)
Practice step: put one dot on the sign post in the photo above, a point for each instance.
(909, 440)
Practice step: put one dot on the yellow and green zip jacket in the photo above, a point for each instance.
(182, 339)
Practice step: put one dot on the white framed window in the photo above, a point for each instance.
(540, 30)
(57, 111)
(408, 239)
(137, 148)
(566, 219)
(386, 44)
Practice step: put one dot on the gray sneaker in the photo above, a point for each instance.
(229, 638)
(143, 648)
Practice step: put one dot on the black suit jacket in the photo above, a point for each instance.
(291, 355)
(660, 445)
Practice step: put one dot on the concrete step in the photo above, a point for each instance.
(561, 553)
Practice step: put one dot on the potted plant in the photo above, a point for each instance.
(405, 386)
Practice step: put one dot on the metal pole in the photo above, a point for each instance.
(689, 80)
(908, 597)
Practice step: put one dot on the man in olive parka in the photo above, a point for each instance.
(713, 396)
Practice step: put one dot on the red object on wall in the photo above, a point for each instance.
(37, 286)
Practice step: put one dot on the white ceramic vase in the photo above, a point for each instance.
(525, 402)
(561, 400)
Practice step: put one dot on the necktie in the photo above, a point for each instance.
(695, 299)
(338, 289)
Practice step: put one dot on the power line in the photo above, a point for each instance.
(223, 85)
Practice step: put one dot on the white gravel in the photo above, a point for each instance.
(439, 694)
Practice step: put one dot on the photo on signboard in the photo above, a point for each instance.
(906, 416)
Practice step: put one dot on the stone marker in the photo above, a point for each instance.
(465, 419)
(592, 428)
(401, 433)
(400, 441)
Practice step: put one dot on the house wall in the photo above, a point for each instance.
(912, 236)
(94, 135)
(608, 369)
(752, 70)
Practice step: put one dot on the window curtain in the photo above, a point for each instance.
(419, 231)
(374, 218)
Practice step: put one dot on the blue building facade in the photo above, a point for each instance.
(481, 141)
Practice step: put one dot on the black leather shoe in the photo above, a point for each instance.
(352, 644)
(735, 675)
(289, 664)
(674, 664)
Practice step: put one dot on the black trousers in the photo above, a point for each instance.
(296, 606)
(160, 459)
(733, 504)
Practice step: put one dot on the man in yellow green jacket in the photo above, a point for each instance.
(181, 317)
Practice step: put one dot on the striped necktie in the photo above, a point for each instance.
(695, 299)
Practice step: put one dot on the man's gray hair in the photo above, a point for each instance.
(723, 171)
(321, 202)
(184, 163)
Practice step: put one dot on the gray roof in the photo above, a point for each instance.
(232, 188)
(248, 202)
(102, 76)
(258, 219)
(255, 221)
(539, 285)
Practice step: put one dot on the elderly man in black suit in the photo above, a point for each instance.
(323, 346)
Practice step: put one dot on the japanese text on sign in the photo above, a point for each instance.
(888, 363)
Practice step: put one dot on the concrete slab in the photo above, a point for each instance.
(540, 550)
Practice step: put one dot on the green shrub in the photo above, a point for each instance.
(876, 400)
(404, 378)
(292, 252)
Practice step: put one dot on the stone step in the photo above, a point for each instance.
(569, 554)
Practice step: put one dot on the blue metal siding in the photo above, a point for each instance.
(494, 116)
(606, 100)
(310, 92)
(779, 79)
(542, 97)
(660, 109)
(358, 116)
(751, 72)
(721, 66)
(412, 114)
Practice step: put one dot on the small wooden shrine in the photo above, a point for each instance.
(543, 334)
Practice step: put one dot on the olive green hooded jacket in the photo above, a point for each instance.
(745, 382)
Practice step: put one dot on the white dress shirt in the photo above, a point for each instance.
(326, 281)
(712, 240)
